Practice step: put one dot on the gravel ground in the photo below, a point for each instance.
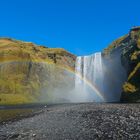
(77, 122)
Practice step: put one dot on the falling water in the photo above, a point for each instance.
(90, 70)
(98, 75)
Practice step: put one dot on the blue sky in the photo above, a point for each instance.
(80, 26)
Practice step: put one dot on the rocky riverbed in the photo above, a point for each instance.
(77, 121)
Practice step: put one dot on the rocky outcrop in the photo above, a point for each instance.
(128, 47)
(31, 73)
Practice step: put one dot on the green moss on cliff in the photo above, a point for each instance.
(13, 99)
(114, 44)
(135, 55)
(132, 74)
(129, 88)
(13, 50)
(25, 69)
(129, 48)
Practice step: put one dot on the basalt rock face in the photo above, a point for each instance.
(128, 47)
(31, 73)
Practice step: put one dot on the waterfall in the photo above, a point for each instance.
(101, 78)
(98, 75)
(90, 81)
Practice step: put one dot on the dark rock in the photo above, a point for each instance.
(78, 121)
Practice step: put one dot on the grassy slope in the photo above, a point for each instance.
(16, 86)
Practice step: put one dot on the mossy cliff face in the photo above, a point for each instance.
(128, 47)
(31, 73)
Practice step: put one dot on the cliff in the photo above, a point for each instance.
(128, 47)
(30, 73)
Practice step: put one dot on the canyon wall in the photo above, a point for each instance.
(31, 73)
(128, 48)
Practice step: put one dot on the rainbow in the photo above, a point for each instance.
(91, 85)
